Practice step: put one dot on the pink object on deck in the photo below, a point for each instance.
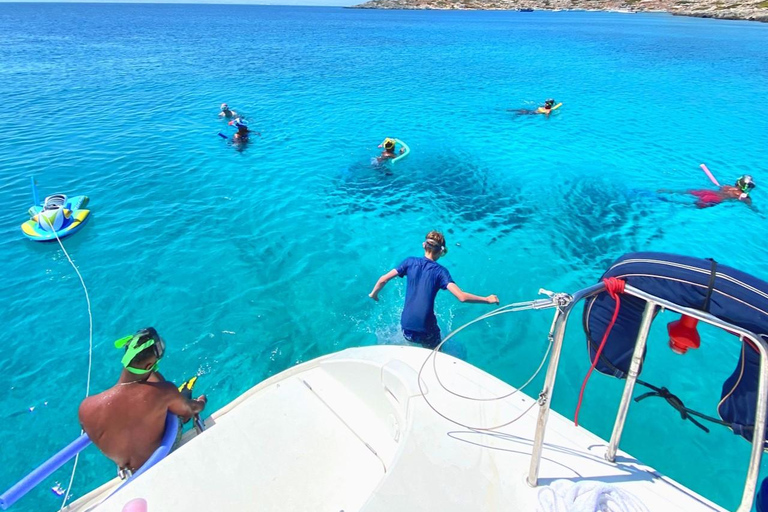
(709, 174)
(137, 505)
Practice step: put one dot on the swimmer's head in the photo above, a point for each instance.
(389, 144)
(745, 184)
(143, 351)
(549, 103)
(224, 107)
(434, 244)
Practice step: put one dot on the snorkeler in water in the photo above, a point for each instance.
(243, 134)
(226, 112)
(738, 192)
(426, 277)
(389, 150)
(545, 109)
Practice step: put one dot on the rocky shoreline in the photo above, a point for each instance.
(752, 10)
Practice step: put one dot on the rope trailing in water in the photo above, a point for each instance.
(90, 348)
(614, 287)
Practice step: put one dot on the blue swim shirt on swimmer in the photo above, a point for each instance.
(425, 278)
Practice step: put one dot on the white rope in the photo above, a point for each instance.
(90, 346)
(510, 308)
(587, 496)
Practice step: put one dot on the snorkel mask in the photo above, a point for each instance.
(745, 184)
(434, 244)
(224, 107)
(389, 144)
(136, 343)
(549, 103)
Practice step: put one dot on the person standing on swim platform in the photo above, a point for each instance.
(425, 278)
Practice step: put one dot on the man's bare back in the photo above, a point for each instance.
(127, 421)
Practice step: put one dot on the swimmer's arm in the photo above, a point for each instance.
(381, 282)
(471, 298)
(179, 405)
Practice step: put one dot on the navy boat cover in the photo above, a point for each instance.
(724, 292)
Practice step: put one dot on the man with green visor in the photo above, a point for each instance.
(127, 421)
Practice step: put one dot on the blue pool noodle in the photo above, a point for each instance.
(169, 439)
(43, 471)
(47, 468)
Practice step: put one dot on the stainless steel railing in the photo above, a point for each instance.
(652, 303)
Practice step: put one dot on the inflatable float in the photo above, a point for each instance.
(400, 149)
(704, 285)
(406, 151)
(542, 110)
(58, 215)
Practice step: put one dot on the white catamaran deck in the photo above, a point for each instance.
(351, 431)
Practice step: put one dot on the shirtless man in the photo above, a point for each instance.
(127, 421)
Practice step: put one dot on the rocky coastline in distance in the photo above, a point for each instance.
(753, 10)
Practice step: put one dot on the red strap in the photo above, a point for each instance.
(614, 287)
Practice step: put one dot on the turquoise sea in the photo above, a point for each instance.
(249, 262)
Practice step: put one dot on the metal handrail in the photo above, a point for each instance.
(652, 303)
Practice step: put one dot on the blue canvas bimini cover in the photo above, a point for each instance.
(729, 294)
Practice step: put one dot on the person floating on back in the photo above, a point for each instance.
(226, 113)
(425, 278)
(127, 421)
(389, 150)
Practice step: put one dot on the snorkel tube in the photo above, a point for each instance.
(35, 198)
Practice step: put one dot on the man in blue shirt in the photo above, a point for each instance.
(425, 278)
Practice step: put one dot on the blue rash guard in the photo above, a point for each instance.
(425, 279)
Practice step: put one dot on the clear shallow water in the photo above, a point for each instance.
(250, 262)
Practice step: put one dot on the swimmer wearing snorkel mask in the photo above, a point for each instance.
(127, 421)
(545, 109)
(738, 192)
(390, 151)
(426, 277)
(226, 112)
